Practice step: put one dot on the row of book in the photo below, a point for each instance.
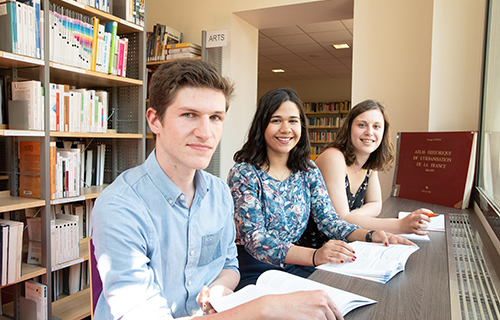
(333, 107)
(130, 10)
(71, 168)
(324, 121)
(75, 39)
(71, 110)
(70, 223)
(81, 41)
(316, 150)
(21, 27)
(322, 136)
(11, 234)
(159, 39)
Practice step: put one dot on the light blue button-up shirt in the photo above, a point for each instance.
(153, 252)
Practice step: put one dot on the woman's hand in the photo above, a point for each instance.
(387, 238)
(415, 222)
(203, 298)
(334, 251)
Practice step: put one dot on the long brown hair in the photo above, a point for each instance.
(382, 158)
(254, 151)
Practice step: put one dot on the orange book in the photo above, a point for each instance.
(29, 162)
(53, 160)
(95, 36)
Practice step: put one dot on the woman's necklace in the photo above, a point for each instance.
(278, 177)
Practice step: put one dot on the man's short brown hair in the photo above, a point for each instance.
(172, 76)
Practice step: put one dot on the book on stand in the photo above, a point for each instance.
(374, 261)
(37, 292)
(436, 167)
(280, 282)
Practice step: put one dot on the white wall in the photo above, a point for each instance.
(457, 55)
(412, 56)
(392, 62)
(319, 90)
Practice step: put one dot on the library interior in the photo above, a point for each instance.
(74, 78)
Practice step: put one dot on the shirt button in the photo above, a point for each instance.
(192, 252)
(189, 282)
(170, 201)
(183, 197)
(325, 210)
(193, 311)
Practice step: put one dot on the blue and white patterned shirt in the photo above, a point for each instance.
(153, 252)
(271, 215)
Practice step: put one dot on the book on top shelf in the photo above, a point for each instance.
(374, 261)
(436, 167)
(280, 282)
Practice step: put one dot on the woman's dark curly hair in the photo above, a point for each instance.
(382, 158)
(254, 151)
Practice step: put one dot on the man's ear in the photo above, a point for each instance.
(153, 120)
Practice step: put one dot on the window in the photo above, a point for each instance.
(488, 179)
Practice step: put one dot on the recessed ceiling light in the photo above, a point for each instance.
(277, 70)
(341, 46)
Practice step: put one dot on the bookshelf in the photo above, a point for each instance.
(125, 145)
(324, 119)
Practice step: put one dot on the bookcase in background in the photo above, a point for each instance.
(124, 145)
(212, 55)
(324, 119)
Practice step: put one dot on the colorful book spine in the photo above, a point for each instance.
(95, 37)
(112, 27)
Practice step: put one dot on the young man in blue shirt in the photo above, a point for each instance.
(164, 231)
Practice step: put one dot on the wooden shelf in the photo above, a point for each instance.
(9, 203)
(60, 73)
(73, 307)
(83, 256)
(323, 128)
(157, 63)
(12, 60)
(21, 133)
(28, 271)
(333, 113)
(61, 134)
(104, 17)
(85, 193)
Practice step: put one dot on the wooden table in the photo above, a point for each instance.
(421, 291)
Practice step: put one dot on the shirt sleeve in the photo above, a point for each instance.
(323, 213)
(129, 288)
(250, 218)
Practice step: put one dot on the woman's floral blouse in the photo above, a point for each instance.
(270, 215)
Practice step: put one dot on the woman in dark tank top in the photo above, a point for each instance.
(351, 162)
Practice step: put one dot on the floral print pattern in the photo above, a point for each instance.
(270, 215)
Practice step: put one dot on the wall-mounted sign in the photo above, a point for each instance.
(217, 38)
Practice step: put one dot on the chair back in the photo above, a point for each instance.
(95, 279)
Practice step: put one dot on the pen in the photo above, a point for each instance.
(432, 214)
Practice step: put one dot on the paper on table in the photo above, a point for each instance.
(436, 224)
(415, 237)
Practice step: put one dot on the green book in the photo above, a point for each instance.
(111, 27)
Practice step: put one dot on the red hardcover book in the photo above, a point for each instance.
(436, 167)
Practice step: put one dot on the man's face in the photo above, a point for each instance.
(191, 129)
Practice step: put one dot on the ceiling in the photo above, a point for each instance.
(305, 51)
(303, 48)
